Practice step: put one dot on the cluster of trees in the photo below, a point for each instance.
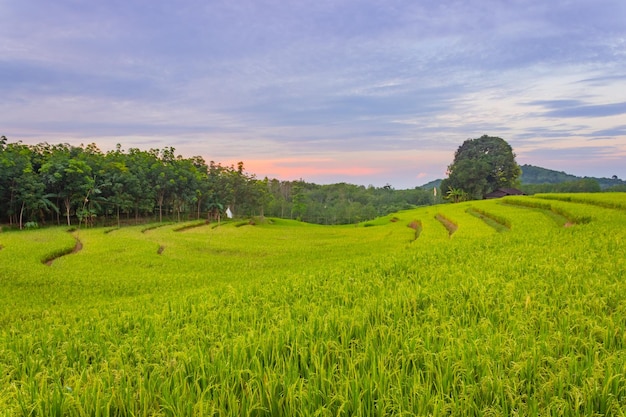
(82, 185)
(342, 203)
(583, 185)
(481, 166)
(64, 183)
(586, 185)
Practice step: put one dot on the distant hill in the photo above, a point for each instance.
(432, 184)
(536, 175)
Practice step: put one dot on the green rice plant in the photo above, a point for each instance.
(287, 318)
(559, 211)
(606, 200)
(499, 223)
(190, 225)
(153, 226)
(450, 226)
(468, 226)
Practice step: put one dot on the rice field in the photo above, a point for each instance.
(518, 311)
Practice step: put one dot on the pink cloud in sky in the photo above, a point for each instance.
(306, 168)
(400, 169)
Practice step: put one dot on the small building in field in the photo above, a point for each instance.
(503, 192)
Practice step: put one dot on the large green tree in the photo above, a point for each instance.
(482, 165)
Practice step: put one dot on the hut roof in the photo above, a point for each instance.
(503, 192)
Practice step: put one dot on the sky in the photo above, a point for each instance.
(360, 91)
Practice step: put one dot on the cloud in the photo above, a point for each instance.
(576, 109)
(31, 79)
(403, 169)
(256, 80)
(614, 132)
(604, 80)
(569, 153)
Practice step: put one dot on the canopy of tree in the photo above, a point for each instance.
(68, 184)
(480, 166)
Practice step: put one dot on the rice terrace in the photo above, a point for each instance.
(508, 313)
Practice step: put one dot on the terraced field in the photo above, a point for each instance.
(507, 307)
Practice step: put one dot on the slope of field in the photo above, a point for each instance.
(396, 316)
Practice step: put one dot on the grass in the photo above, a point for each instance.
(286, 318)
(558, 212)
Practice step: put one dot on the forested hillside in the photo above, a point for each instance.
(537, 180)
(81, 185)
(536, 175)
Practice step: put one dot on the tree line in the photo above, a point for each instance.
(81, 185)
(585, 185)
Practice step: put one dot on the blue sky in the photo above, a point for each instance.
(366, 92)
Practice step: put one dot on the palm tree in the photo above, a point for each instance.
(456, 195)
